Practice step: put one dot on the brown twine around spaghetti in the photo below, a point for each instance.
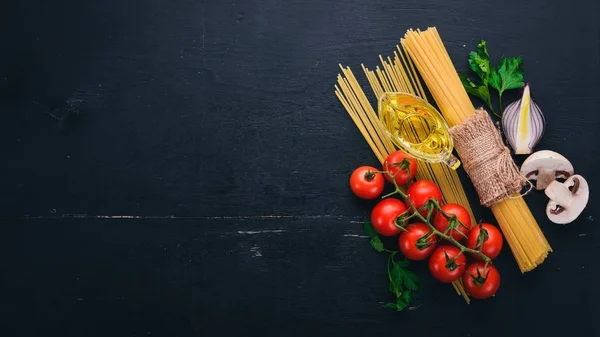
(486, 159)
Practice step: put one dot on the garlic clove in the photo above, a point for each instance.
(523, 123)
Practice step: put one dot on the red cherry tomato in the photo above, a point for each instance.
(402, 174)
(421, 191)
(384, 214)
(492, 245)
(366, 182)
(461, 213)
(410, 242)
(481, 282)
(441, 266)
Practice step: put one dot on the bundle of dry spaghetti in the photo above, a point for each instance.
(524, 236)
(399, 76)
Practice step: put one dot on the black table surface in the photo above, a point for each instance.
(180, 168)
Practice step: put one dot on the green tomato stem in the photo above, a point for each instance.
(427, 221)
(499, 103)
(388, 195)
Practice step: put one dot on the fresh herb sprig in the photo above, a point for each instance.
(508, 75)
(403, 282)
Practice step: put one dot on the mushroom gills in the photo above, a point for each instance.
(545, 166)
(567, 199)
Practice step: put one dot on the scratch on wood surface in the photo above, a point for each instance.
(254, 217)
(162, 217)
(356, 236)
(88, 216)
(261, 232)
(256, 251)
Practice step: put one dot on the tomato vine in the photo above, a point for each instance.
(432, 206)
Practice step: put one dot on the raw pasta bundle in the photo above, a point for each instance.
(524, 236)
(398, 76)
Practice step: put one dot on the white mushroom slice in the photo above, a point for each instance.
(567, 200)
(545, 166)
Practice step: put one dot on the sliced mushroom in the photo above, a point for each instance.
(545, 166)
(567, 200)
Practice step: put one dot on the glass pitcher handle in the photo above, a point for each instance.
(452, 161)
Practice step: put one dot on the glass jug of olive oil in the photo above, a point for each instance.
(417, 128)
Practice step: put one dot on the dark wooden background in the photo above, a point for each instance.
(179, 168)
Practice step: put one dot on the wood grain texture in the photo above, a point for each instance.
(172, 277)
(214, 126)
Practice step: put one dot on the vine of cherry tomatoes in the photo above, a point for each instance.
(447, 261)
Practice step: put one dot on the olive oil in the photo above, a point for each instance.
(417, 128)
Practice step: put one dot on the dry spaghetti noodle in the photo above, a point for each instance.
(395, 76)
(524, 236)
